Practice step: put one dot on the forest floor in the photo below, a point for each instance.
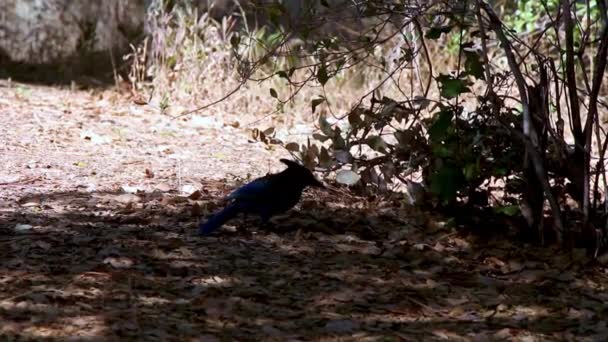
(99, 202)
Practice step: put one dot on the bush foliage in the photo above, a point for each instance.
(494, 105)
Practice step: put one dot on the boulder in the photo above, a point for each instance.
(53, 39)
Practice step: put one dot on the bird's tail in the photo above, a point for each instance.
(219, 218)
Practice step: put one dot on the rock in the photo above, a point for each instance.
(38, 36)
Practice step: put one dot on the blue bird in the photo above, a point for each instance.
(266, 196)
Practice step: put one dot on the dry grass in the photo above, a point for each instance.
(194, 66)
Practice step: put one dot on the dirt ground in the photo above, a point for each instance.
(99, 202)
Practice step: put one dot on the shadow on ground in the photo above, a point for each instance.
(80, 264)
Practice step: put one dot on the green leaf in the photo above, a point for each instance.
(439, 128)
(273, 93)
(275, 12)
(322, 76)
(435, 32)
(339, 142)
(376, 143)
(325, 126)
(354, 118)
(347, 177)
(404, 137)
(446, 182)
(442, 151)
(421, 101)
(320, 137)
(315, 102)
(501, 171)
(470, 171)
(451, 87)
(339, 63)
(473, 65)
(275, 38)
(235, 40)
(509, 210)
(343, 157)
(388, 108)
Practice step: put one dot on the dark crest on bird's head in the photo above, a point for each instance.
(305, 174)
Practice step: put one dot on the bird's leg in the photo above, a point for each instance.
(267, 225)
(241, 228)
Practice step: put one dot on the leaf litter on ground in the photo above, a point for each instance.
(121, 259)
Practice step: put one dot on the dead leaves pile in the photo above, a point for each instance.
(129, 265)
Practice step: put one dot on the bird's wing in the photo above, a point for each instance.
(256, 189)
